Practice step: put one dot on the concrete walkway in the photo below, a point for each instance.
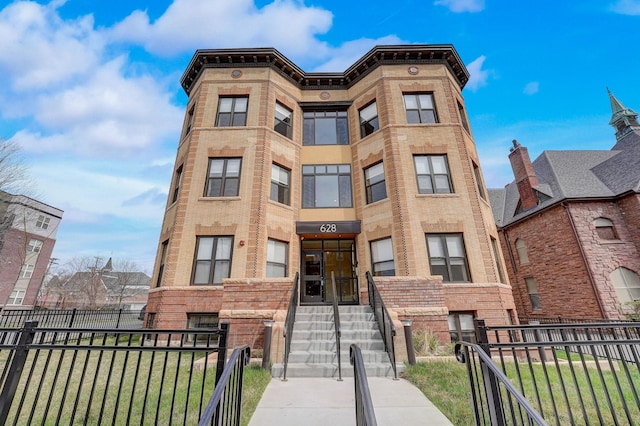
(323, 401)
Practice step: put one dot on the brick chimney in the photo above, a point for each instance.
(524, 174)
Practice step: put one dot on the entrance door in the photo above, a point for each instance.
(321, 258)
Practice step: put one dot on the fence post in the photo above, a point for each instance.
(490, 381)
(73, 317)
(15, 370)
(222, 349)
(118, 321)
(266, 347)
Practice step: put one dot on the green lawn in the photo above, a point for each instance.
(255, 382)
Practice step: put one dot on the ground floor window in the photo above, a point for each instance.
(277, 258)
(461, 327)
(534, 297)
(382, 258)
(208, 321)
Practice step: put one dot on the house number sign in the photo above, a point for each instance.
(321, 227)
(328, 227)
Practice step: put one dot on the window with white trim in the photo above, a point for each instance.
(280, 184)
(626, 283)
(16, 297)
(26, 271)
(43, 222)
(277, 258)
(34, 246)
(374, 181)
(369, 119)
(283, 120)
(534, 297)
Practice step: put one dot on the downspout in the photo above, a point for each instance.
(584, 260)
(510, 251)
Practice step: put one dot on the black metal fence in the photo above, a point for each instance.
(108, 376)
(385, 323)
(116, 318)
(585, 373)
(365, 414)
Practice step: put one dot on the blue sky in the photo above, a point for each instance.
(90, 89)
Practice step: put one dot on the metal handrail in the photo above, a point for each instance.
(288, 323)
(226, 401)
(385, 323)
(336, 323)
(365, 414)
(492, 377)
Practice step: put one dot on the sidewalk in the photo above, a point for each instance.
(324, 401)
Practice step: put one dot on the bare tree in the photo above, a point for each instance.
(127, 281)
(14, 176)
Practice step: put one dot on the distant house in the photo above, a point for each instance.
(569, 226)
(28, 231)
(99, 288)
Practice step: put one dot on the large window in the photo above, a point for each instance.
(277, 258)
(213, 260)
(521, 249)
(16, 297)
(43, 222)
(420, 108)
(375, 183)
(325, 128)
(327, 185)
(432, 172)
(605, 229)
(205, 322)
(369, 119)
(223, 178)
(534, 297)
(163, 259)
(283, 121)
(447, 257)
(176, 184)
(232, 112)
(34, 246)
(461, 327)
(627, 284)
(382, 258)
(280, 187)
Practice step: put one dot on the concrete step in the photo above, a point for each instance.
(319, 357)
(330, 345)
(350, 335)
(347, 316)
(328, 325)
(331, 370)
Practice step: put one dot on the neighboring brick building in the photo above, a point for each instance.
(27, 235)
(570, 226)
(280, 171)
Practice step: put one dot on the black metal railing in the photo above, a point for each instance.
(108, 376)
(490, 388)
(114, 318)
(288, 323)
(532, 319)
(571, 373)
(365, 414)
(336, 324)
(225, 405)
(385, 323)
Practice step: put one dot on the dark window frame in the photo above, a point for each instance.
(232, 118)
(189, 123)
(310, 129)
(224, 188)
(373, 192)
(479, 182)
(176, 184)
(198, 318)
(457, 333)
(463, 117)
(375, 271)
(212, 260)
(605, 229)
(368, 125)
(279, 191)
(420, 114)
(444, 265)
(310, 185)
(282, 126)
(163, 257)
(432, 176)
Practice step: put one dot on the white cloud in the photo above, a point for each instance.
(39, 49)
(458, 6)
(531, 88)
(627, 7)
(186, 25)
(477, 76)
(346, 55)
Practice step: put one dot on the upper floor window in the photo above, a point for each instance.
(534, 297)
(447, 257)
(176, 184)
(375, 183)
(26, 271)
(521, 249)
(213, 260)
(326, 185)
(16, 297)
(463, 117)
(189, 123)
(605, 229)
(224, 177)
(325, 128)
(43, 222)
(34, 246)
(432, 172)
(478, 176)
(369, 119)
(280, 187)
(496, 254)
(627, 284)
(420, 108)
(382, 258)
(232, 111)
(277, 258)
(163, 259)
(283, 124)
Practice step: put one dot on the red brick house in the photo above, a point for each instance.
(569, 226)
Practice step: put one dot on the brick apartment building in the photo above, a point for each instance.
(280, 171)
(28, 231)
(570, 226)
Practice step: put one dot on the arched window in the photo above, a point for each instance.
(627, 284)
(605, 229)
(521, 248)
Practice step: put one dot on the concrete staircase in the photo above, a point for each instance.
(313, 344)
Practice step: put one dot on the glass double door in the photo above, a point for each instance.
(321, 258)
